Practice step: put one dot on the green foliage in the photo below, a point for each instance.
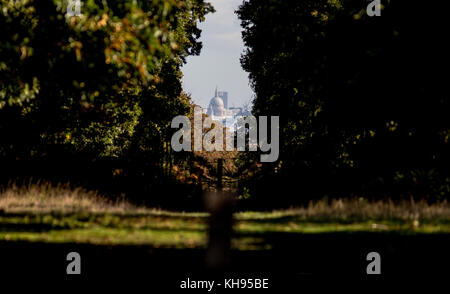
(106, 83)
(358, 96)
(82, 78)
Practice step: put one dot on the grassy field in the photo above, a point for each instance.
(42, 213)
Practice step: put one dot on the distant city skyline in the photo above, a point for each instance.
(219, 62)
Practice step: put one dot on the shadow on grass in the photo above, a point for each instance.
(11, 227)
(291, 258)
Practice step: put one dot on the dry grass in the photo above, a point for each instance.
(43, 198)
(359, 210)
(46, 198)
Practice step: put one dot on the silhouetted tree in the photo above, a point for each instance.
(363, 101)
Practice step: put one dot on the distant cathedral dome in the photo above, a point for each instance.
(216, 106)
(217, 102)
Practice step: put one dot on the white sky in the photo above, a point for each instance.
(218, 63)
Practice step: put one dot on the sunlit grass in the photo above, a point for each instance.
(113, 236)
(357, 210)
(44, 213)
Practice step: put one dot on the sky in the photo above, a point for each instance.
(218, 63)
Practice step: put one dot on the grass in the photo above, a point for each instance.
(45, 198)
(45, 213)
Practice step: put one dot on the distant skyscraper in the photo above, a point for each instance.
(224, 96)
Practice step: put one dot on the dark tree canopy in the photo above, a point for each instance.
(363, 101)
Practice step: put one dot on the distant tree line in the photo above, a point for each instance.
(363, 101)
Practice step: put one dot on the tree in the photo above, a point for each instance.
(99, 84)
(360, 98)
